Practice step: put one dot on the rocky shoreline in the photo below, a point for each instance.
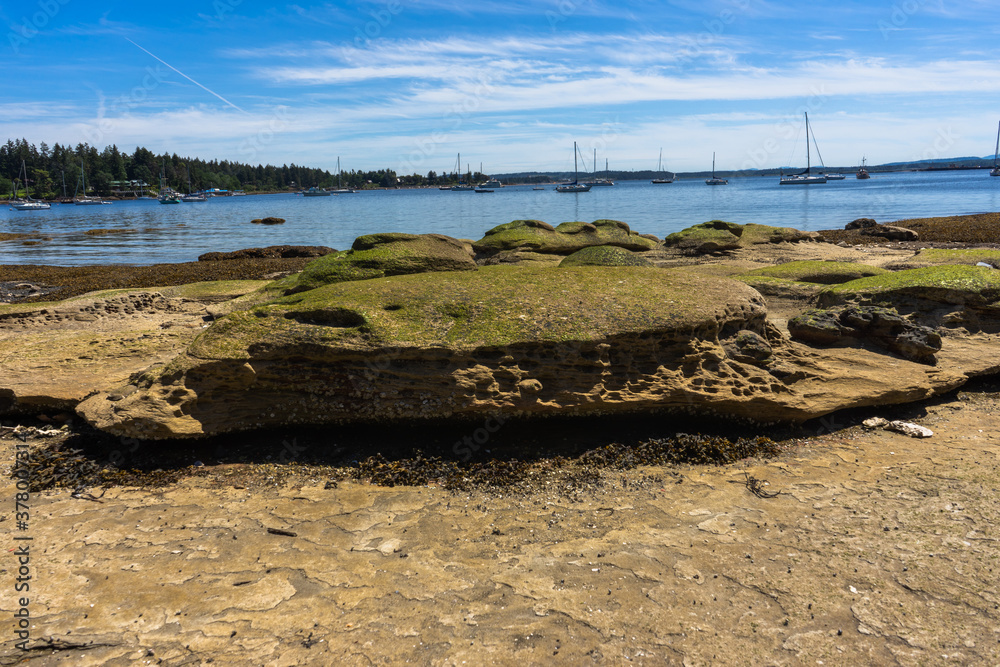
(471, 530)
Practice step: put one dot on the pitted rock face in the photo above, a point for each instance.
(854, 324)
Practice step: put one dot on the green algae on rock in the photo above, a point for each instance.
(719, 236)
(492, 306)
(950, 284)
(387, 254)
(970, 256)
(540, 237)
(604, 255)
(814, 271)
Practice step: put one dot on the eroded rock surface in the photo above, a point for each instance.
(854, 324)
(54, 355)
(530, 342)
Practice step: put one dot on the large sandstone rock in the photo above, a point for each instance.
(387, 254)
(717, 236)
(503, 340)
(853, 324)
(54, 355)
(535, 236)
(949, 295)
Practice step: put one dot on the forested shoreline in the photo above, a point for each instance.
(111, 171)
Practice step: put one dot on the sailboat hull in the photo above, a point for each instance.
(801, 179)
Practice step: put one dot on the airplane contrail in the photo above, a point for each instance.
(205, 88)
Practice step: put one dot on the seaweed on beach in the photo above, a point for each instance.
(570, 474)
(978, 228)
(683, 448)
(58, 466)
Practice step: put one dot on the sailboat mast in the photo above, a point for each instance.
(575, 177)
(807, 141)
(997, 150)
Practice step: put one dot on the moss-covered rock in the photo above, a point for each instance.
(539, 237)
(824, 273)
(389, 254)
(949, 284)
(497, 305)
(972, 256)
(604, 255)
(719, 236)
(708, 237)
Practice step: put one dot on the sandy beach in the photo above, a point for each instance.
(850, 545)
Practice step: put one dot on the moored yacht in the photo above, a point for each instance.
(804, 177)
(715, 180)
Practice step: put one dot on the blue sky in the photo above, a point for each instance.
(408, 84)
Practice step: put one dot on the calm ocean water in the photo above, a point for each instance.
(155, 233)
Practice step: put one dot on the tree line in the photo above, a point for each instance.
(57, 171)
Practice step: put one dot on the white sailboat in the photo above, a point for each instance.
(166, 196)
(461, 187)
(995, 171)
(190, 196)
(28, 204)
(659, 168)
(606, 181)
(84, 200)
(576, 185)
(341, 190)
(714, 180)
(804, 177)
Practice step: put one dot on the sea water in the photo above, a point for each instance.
(153, 233)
